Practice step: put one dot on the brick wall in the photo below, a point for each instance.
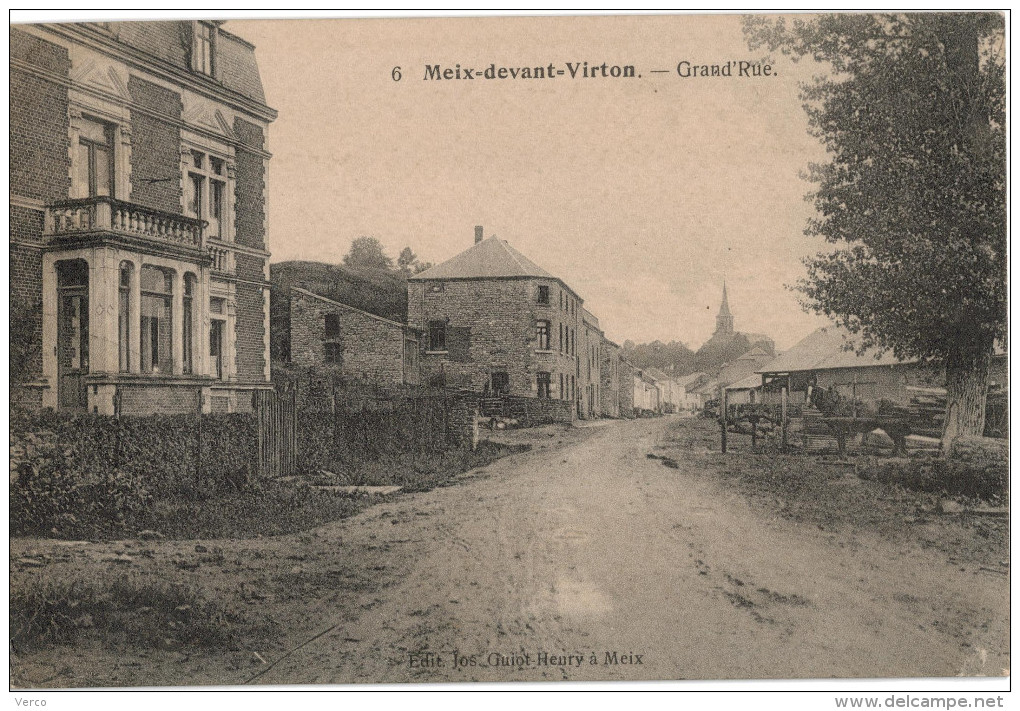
(372, 349)
(40, 166)
(250, 319)
(491, 327)
(39, 169)
(155, 147)
(249, 186)
(166, 400)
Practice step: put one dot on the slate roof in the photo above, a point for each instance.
(823, 350)
(492, 258)
(170, 41)
(755, 353)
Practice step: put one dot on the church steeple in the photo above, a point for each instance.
(724, 321)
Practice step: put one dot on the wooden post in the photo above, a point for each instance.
(783, 420)
(722, 418)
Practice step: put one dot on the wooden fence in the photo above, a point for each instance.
(276, 421)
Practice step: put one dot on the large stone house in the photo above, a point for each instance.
(494, 321)
(137, 217)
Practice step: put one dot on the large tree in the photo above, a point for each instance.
(367, 253)
(911, 111)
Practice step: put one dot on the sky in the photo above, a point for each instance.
(642, 194)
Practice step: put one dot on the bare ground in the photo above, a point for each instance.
(584, 546)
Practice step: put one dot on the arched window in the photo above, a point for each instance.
(156, 337)
(124, 316)
(188, 337)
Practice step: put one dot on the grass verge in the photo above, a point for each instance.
(126, 611)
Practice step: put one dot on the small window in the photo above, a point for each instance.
(563, 395)
(334, 354)
(544, 380)
(436, 287)
(332, 326)
(542, 334)
(437, 335)
(500, 382)
(543, 295)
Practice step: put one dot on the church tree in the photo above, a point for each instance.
(912, 198)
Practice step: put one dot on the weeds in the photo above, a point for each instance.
(125, 610)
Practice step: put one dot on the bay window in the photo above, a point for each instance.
(156, 345)
(124, 317)
(188, 335)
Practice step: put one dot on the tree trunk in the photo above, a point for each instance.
(966, 394)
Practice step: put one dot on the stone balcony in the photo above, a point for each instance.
(103, 218)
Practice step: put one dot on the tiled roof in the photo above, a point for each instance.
(824, 349)
(491, 258)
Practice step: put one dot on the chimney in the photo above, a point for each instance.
(478, 234)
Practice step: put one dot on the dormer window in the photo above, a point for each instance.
(203, 52)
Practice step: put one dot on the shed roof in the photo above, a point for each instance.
(749, 383)
(824, 349)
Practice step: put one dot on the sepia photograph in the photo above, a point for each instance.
(349, 352)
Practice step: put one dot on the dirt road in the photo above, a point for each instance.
(582, 550)
(594, 552)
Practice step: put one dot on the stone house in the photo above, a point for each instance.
(137, 217)
(362, 347)
(609, 372)
(646, 394)
(494, 321)
(626, 394)
(589, 367)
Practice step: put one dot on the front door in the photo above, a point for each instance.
(72, 346)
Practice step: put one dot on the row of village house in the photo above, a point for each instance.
(139, 260)
(488, 320)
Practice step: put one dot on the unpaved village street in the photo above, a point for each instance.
(591, 551)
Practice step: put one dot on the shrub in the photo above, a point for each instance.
(946, 477)
(49, 494)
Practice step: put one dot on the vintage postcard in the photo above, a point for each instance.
(508, 349)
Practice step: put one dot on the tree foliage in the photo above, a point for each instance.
(367, 253)
(673, 357)
(912, 115)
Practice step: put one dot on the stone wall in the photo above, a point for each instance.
(371, 347)
(491, 326)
